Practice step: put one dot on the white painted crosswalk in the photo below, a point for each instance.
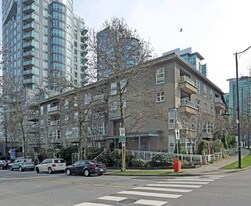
(161, 190)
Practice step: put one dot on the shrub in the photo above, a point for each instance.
(162, 160)
(136, 162)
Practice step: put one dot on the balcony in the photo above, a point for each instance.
(29, 63)
(188, 107)
(187, 85)
(54, 110)
(28, 45)
(29, 18)
(219, 103)
(28, 27)
(27, 2)
(29, 9)
(29, 36)
(28, 81)
(28, 72)
(29, 54)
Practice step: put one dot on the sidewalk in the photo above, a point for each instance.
(215, 168)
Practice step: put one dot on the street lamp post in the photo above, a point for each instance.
(238, 106)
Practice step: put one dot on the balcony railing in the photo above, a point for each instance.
(28, 27)
(187, 85)
(53, 109)
(186, 102)
(28, 9)
(187, 79)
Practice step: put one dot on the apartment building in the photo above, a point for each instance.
(165, 102)
(43, 40)
(58, 120)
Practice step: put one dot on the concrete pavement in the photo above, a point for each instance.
(216, 167)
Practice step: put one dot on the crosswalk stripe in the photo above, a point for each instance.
(149, 194)
(112, 198)
(162, 189)
(174, 185)
(91, 204)
(150, 202)
(179, 182)
(193, 179)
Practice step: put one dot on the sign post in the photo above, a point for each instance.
(122, 139)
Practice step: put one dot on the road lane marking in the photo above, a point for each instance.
(149, 194)
(112, 198)
(150, 202)
(179, 182)
(174, 185)
(162, 189)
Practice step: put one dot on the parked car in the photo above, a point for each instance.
(3, 164)
(22, 164)
(86, 168)
(51, 165)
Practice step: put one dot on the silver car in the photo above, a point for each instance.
(51, 165)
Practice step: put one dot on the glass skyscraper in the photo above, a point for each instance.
(244, 96)
(43, 40)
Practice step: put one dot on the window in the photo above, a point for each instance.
(123, 84)
(205, 107)
(76, 115)
(113, 88)
(114, 106)
(211, 95)
(210, 127)
(160, 76)
(160, 97)
(205, 91)
(197, 82)
(197, 103)
(66, 104)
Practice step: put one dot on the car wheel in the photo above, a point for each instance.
(86, 173)
(37, 170)
(11, 169)
(49, 170)
(100, 174)
(68, 172)
(32, 169)
(20, 169)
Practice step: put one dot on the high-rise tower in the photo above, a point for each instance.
(43, 39)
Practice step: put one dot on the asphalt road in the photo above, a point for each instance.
(31, 189)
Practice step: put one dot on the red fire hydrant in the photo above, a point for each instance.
(177, 165)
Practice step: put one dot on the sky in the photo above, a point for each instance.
(214, 28)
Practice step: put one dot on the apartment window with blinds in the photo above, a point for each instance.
(160, 76)
(160, 97)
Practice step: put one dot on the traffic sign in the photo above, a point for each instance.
(122, 138)
(123, 143)
(13, 154)
(121, 131)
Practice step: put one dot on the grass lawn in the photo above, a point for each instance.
(145, 172)
(245, 162)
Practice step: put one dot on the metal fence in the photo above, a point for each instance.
(199, 159)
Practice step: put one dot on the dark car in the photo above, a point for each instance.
(3, 164)
(86, 168)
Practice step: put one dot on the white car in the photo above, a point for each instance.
(51, 165)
